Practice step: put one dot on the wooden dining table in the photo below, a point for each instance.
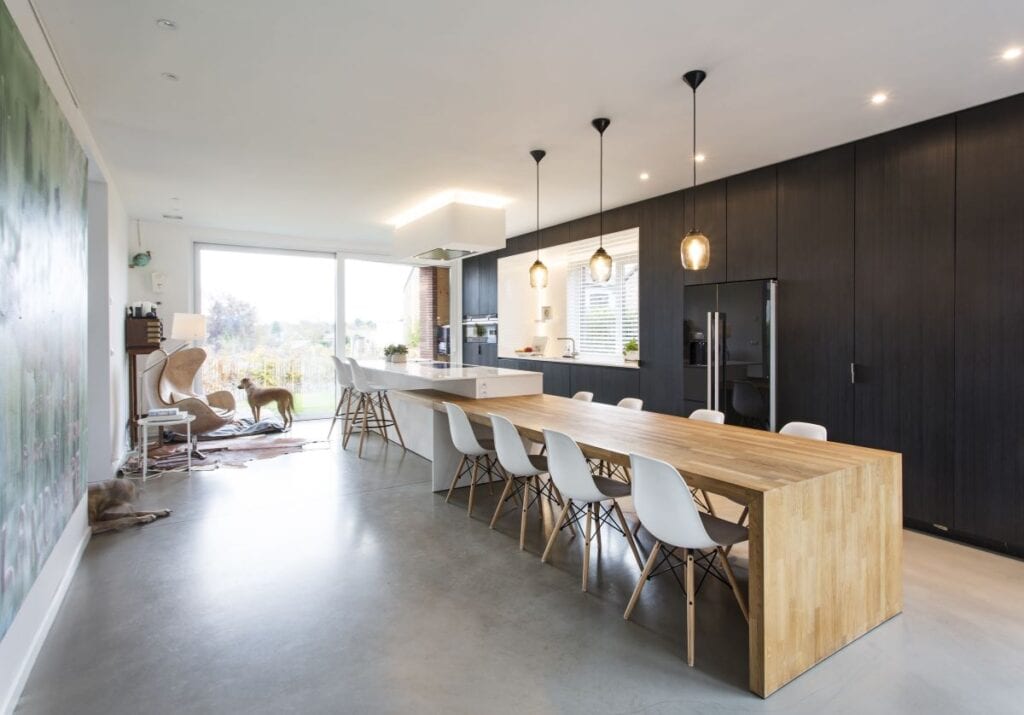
(825, 519)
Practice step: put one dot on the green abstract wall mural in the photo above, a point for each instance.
(42, 320)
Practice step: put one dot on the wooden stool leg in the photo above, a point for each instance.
(628, 534)
(554, 531)
(522, 518)
(455, 479)
(691, 620)
(644, 575)
(472, 486)
(586, 547)
(394, 420)
(366, 405)
(732, 582)
(501, 501)
(337, 413)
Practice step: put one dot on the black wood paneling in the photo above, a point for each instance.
(712, 221)
(989, 497)
(609, 384)
(557, 379)
(487, 299)
(471, 285)
(904, 308)
(815, 293)
(751, 222)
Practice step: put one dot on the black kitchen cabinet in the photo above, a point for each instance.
(989, 462)
(751, 223)
(471, 286)
(904, 263)
(711, 221)
(815, 304)
(487, 284)
(483, 354)
(557, 378)
(609, 384)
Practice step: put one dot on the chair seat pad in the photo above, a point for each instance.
(612, 488)
(724, 533)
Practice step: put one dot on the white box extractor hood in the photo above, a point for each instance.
(451, 232)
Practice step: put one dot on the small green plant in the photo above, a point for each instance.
(481, 330)
(395, 350)
(631, 346)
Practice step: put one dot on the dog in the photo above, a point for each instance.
(110, 506)
(260, 396)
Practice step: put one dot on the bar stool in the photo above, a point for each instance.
(478, 457)
(666, 509)
(571, 474)
(373, 409)
(344, 409)
(522, 474)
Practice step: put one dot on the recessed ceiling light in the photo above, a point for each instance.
(699, 158)
(451, 196)
(1012, 53)
(170, 76)
(644, 176)
(879, 98)
(165, 24)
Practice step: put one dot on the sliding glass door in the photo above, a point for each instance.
(271, 316)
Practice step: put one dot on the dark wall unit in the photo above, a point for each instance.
(904, 308)
(815, 311)
(751, 220)
(989, 499)
(609, 384)
(471, 286)
(712, 222)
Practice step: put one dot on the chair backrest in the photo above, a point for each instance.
(509, 446)
(178, 375)
(569, 468)
(584, 396)
(463, 436)
(152, 369)
(808, 430)
(631, 403)
(708, 416)
(359, 380)
(665, 506)
(342, 371)
(748, 401)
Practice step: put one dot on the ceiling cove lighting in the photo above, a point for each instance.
(538, 271)
(601, 262)
(879, 98)
(695, 249)
(1012, 53)
(451, 196)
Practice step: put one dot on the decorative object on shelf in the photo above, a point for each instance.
(538, 271)
(631, 350)
(695, 249)
(601, 262)
(140, 259)
(395, 353)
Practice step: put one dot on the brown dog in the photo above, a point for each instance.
(110, 506)
(260, 396)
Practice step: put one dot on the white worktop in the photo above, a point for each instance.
(466, 380)
(439, 371)
(601, 362)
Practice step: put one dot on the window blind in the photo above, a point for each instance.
(601, 317)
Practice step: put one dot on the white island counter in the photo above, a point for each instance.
(424, 429)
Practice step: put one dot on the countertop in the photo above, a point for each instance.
(440, 371)
(576, 361)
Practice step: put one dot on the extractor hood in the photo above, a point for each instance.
(451, 232)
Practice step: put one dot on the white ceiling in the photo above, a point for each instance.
(322, 119)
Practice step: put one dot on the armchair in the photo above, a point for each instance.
(176, 385)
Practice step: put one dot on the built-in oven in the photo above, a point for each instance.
(444, 340)
(480, 329)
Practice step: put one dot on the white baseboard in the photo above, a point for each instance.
(24, 639)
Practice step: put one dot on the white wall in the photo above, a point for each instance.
(519, 305)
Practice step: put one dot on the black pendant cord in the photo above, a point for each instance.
(600, 199)
(693, 160)
(538, 209)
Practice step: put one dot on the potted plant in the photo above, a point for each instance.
(631, 350)
(395, 353)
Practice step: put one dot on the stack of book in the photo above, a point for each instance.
(165, 414)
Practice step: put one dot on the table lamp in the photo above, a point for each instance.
(188, 327)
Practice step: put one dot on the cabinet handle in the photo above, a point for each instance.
(853, 373)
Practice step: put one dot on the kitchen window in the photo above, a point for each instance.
(602, 317)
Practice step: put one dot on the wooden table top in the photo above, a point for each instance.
(737, 462)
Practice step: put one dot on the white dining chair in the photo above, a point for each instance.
(631, 403)
(665, 507)
(584, 495)
(604, 468)
(522, 473)
(807, 430)
(478, 456)
(713, 416)
(373, 411)
(343, 375)
(584, 396)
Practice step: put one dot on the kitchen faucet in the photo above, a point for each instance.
(572, 352)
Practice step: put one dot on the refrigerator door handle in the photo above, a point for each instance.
(773, 365)
(707, 358)
(718, 354)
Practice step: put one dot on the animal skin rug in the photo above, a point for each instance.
(233, 452)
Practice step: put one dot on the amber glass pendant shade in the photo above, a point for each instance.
(695, 251)
(600, 266)
(538, 275)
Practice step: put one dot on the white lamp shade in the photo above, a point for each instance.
(188, 327)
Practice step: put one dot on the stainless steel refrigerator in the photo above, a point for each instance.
(729, 361)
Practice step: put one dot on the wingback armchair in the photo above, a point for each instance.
(175, 384)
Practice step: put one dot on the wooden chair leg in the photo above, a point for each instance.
(555, 529)
(365, 405)
(522, 517)
(586, 547)
(455, 479)
(648, 567)
(337, 413)
(501, 501)
(472, 486)
(348, 425)
(394, 420)
(732, 582)
(628, 534)
(691, 620)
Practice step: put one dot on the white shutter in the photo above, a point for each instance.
(601, 317)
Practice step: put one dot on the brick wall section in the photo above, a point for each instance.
(428, 312)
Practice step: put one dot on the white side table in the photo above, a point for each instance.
(146, 422)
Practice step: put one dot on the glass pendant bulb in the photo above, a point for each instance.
(538, 275)
(695, 251)
(600, 266)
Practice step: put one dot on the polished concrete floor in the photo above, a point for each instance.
(321, 583)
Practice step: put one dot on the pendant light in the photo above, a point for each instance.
(695, 249)
(538, 271)
(601, 262)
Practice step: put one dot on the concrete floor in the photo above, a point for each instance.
(318, 582)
